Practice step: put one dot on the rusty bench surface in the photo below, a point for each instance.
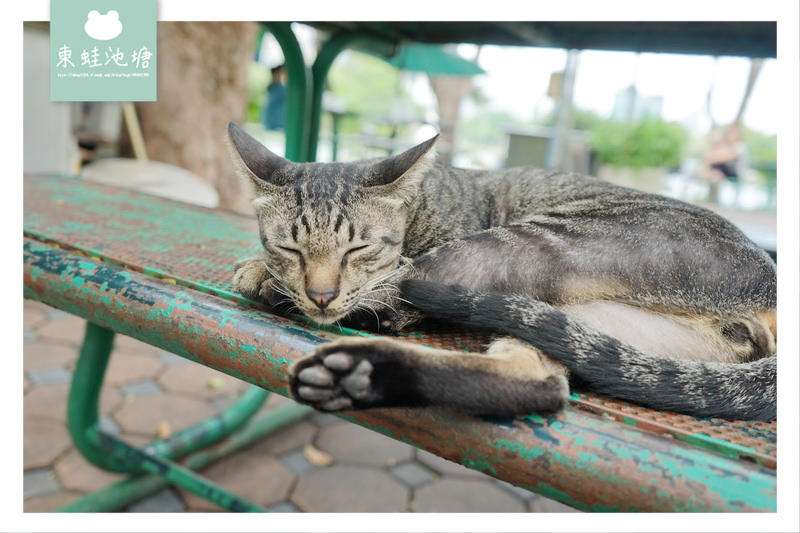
(160, 271)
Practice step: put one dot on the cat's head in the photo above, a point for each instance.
(332, 232)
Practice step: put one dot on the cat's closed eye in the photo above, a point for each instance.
(349, 253)
(356, 249)
(297, 254)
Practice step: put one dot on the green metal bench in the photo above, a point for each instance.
(159, 271)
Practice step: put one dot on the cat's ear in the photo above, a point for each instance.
(403, 172)
(254, 161)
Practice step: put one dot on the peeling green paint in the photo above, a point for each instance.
(526, 453)
(481, 463)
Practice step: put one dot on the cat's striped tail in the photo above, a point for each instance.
(740, 391)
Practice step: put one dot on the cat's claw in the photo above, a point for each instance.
(331, 382)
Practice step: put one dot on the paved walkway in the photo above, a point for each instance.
(150, 393)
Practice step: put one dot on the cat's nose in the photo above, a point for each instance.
(322, 297)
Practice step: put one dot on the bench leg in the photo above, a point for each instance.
(109, 453)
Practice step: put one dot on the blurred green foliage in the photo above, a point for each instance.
(763, 148)
(258, 77)
(370, 90)
(488, 127)
(582, 119)
(649, 142)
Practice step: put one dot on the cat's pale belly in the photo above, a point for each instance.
(652, 332)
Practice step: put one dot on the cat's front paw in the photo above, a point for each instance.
(253, 281)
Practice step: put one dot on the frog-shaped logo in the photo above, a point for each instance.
(103, 27)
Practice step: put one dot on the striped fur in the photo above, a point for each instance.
(706, 389)
(555, 259)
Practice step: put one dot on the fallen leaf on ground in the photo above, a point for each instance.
(215, 383)
(317, 457)
(163, 430)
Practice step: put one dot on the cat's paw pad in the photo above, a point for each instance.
(333, 381)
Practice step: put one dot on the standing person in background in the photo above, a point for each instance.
(275, 111)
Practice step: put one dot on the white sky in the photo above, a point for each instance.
(516, 80)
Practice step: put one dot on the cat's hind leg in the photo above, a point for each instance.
(713, 387)
(511, 378)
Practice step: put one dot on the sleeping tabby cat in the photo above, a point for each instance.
(631, 294)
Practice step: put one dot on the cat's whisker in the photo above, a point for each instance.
(279, 290)
(390, 290)
(362, 306)
(379, 302)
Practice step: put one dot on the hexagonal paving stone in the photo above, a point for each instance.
(76, 473)
(50, 401)
(413, 474)
(40, 482)
(198, 380)
(170, 359)
(523, 494)
(38, 355)
(446, 467)
(283, 507)
(297, 462)
(143, 415)
(259, 479)
(49, 502)
(43, 442)
(69, 330)
(351, 489)
(124, 367)
(452, 495)
(34, 305)
(58, 314)
(324, 419)
(33, 318)
(129, 344)
(50, 376)
(163, 501)
(293, 437)
(354, 444)
(274, 400)
(138, 389)
(540, 504)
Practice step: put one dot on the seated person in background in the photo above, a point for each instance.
(727, 156)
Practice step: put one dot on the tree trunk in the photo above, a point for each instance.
(202, 84)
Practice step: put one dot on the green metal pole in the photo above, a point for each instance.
(297, 97)
(114, 455)
(84, 399)
(319, 74)
(130, 490)
(83, 409)
(177, 475)
(212, 429)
